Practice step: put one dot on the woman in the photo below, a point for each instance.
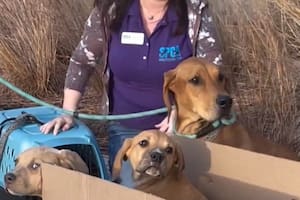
(136, 41)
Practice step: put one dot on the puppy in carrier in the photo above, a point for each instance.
(23, 148)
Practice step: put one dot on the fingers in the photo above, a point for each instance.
(163, 125)
(66, 127)
(58, 124)
(170, 130)
(167, 124)
(46, 128)
(158, 125)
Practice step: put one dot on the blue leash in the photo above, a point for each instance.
(81, 115)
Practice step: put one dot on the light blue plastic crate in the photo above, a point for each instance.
(79, 139)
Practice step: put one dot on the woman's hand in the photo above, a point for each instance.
(61, 123)
(166, 125)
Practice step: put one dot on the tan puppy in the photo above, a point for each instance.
(26, 179)
(198, 90)
(157, 164)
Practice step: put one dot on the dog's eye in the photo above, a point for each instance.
(195, 80)
(143, 143)
(16, 161)
(35, 165)
(221, 77)
(169, 150)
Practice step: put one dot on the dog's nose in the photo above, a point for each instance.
(156, 157)
(9, 178)
(224, 101)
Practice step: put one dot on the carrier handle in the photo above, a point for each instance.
(19, 121)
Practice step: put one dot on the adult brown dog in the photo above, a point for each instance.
(26, 179)
(198, 90)
(157, 164)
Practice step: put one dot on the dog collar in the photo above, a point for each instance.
(209, 132)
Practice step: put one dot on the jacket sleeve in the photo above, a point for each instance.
(208, 44)
(87, 54)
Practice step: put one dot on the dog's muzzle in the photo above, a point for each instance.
(152, 165)
(156, 157)
(9, 178)
(224, 101)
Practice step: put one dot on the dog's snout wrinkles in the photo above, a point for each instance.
(224, 101)
(156, 157)
(10, 177)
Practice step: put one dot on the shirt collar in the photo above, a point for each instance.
(134, 8)
(171, 15)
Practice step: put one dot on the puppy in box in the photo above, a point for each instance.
(157, 164)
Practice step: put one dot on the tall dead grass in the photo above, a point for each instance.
(36, 40)
(262, 51)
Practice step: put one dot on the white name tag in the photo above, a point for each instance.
(132, 38)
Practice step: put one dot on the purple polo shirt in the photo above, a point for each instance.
(136, 70)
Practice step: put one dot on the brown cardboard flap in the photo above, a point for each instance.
(220, 172)
(224, 172)
(63, 184)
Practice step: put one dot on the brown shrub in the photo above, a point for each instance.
(36, 40)
(262, 52)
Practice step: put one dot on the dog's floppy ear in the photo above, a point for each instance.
(168, 81)
(71, 160)
(121, 155)
(179, 158)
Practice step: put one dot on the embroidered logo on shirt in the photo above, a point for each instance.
(171, 53)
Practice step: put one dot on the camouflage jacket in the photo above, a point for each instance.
(91, 52)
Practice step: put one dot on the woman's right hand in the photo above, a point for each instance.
(61, 123)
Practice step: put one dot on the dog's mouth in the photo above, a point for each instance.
(152, 171)
(226, 114)
(12, 192)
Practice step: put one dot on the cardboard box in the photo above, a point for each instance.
(221, 172)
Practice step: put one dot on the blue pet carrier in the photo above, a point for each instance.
(25, 136)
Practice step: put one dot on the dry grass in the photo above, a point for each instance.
(36, 39)
(262, 50)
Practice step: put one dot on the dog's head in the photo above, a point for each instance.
(26, 180)
(152, 155)
(198, 88)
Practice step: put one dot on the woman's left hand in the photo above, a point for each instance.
(166, 125)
